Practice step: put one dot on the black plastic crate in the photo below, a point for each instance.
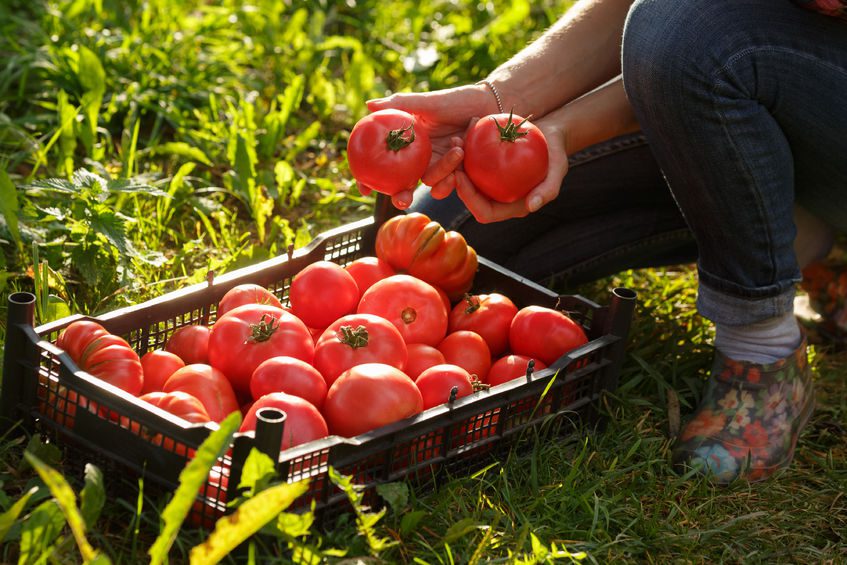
(43, 387)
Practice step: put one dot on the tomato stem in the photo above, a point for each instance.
(408, 315)
(263, 330)
(396, 140)
(511, 131)
(473, 303)
(354, 337)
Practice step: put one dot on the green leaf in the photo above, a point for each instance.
(46, 452)
(191, 480)
(410, 521)
(396, 494)
(91, 75)
(232, 530)
(461, 529)
(9, 204)
(39, 530)
(182, 149)
(10, 516)
(257, 473)
(93, 495)
(111, 226)
(295, 525)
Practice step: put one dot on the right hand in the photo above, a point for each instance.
(445, 114)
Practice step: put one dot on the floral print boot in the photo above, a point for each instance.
(749, 419)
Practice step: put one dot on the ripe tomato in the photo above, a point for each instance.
(368, 270)
(321, 293)
(247, 293)
(505, 156)
(208, 385)
(291, 376)
(158, 365)
(78, 335)
(303, 422)
(190, 343)
(388, 151)
(421, 357)
(180, 404)
(253, 333)
(489, 315)
(544, 334)
(413, 306)
(356, 339)
(414, 244)
(368, 396)
(436, 384)
(510, 367)
(468, 350)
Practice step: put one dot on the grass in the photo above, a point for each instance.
(138, 152)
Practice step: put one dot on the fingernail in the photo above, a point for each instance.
(535, 203)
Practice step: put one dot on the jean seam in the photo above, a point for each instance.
(607, 148)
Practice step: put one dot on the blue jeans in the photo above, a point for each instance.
(742, 103)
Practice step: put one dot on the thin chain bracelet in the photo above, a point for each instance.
(490, 85)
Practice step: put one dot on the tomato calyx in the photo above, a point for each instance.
(396, 140)
(408, 315)
(511, 131)
(354, 337)
(473, 303)
(263, 331)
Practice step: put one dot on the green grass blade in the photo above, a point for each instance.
(9, 205)
(93, 495)
(10, 516)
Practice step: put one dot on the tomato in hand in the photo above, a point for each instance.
(421, 357)
(505, 156)
(468, 350)
(388, 151)
(253, 333)
(368, 396)
(413, 306)
(510, 367)
(247, 293)
(291, 376)
(303, 421)
(158, 365)
(208, 385)
(489, 315)
(180, 404)
(356, 339)
(367, 270)
(190, 343)
(437, 382)
(323, 292)
(544, 334)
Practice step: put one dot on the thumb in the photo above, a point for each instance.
(411, 102)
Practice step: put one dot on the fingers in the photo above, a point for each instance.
(548, 189)
(402, 200)
(444, 187)
(443, 167)
(484, 209)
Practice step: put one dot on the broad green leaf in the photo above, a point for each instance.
(39, 531)
(232, 530)
(10, 516)
(257, 472)
(409, 522)
(55, 308)
(109, 224)
(191, 480)
(295, 525)
(93, 495)
(134, 186)
(9, 204)
(91, 75)
(67, 141)
(66, 498)
(48, 453)
(182, 149)
(461, 529)
(396, 494)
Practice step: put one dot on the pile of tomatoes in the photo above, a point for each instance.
(356, 347)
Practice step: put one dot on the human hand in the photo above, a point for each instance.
(445, 114)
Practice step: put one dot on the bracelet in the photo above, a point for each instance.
(490, 85)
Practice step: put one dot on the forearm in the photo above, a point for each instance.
(578, 53)
(600, 115)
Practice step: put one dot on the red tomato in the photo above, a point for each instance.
(303, 422)
(467, 350)
(510, 367)
(413, 306)
(489, 315)
(544, 334)
(247, 293)
(505, 156)
(421, 357)
(323, 292)
(78, 335)
(180, 404)
(208, 385)
(367, 270)
(190, 343)
(368, 396)
(436, 384)
(356, 339)
(291, 376)
(414, 244)
(111, 359)
(158, 365)
(388, 151)
(253, 333)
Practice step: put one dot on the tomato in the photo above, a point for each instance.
(388, 151)
(180, 404)
(208, 385)
(467, 350)
(489, 315)
(505, 156)
(356, 339)
(78, 335)
(413, 306)
(250, 334)
(421, 357)
(158, 365)
(414, 244)
(190, 343)
(544, 334)
(368, 396)
(367, 270)
(436, 384)
(510, 367)
(111, 359)
(323, 292)
(303, 422)
(247, 293)
(291, 376)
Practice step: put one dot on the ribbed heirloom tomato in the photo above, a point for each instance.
(206, 384)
